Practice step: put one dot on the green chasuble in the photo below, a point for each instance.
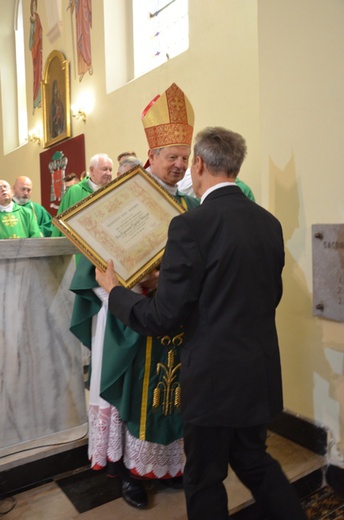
(245, 189)
(42, 216)
(74, 194)
(140, 375)
(18, 223)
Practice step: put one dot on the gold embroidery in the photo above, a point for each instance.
(176, 102)
(10, 220)
(183, 203)
(167, 392)
(145, 388)
(167, 135)
(168, 119)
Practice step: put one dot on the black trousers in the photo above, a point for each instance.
(209, 451)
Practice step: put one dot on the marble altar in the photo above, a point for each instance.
(41, 374)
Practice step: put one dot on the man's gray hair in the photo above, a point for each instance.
(221, 150)
(94, 161)
(128, 163)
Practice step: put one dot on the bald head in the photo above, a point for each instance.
(22, 189)
(5, 193)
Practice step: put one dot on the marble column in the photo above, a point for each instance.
(41, 374)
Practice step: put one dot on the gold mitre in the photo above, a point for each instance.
(168, 119)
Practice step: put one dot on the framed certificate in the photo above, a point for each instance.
(126, 221)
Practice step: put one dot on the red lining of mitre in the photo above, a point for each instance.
(149, 106)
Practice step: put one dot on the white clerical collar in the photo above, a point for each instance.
(217, 186)
(172, 190)
(92, 185)
(7, 208)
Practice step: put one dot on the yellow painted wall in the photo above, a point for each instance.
(301, 45)
(220, 79)
(271, 70)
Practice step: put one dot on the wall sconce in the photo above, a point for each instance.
(35, 136)
(79, 113)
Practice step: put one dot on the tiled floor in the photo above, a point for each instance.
(49, 502)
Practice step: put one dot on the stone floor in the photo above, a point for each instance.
(49, 501)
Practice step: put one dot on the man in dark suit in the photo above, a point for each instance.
(221, 279)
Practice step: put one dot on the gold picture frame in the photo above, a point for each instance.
(56, 99)
(126, 221)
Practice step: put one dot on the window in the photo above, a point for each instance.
(12, 70)
(141, 35)
(161, 32)
(21, 77)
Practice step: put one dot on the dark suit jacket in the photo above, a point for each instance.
(221, 278)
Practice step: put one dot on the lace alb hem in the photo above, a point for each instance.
(109, 439)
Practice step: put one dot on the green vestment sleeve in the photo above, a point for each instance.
(75, 194)
(120, 342)
(43, 218)
(245, 189)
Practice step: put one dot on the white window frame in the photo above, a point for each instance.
(21, 76)
(132, 46)
(13, 79)
(161, 32)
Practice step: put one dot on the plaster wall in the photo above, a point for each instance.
(271, 70)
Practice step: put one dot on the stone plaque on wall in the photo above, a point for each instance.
(328, 271)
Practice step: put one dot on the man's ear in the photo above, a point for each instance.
(199, 165)
(150, 156)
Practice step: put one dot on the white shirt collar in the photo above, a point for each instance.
(213, 188)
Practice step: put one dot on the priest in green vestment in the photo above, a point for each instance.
(15, 220)
(100, 173)
(22, 189)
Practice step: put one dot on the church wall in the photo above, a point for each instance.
(229, 67)
(270, 70)
(301, 46)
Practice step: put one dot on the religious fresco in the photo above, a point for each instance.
(83, 24)
(36, 48)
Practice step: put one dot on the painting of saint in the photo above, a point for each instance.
(57, 112)
(83, 21)
(56, 99)
(35, 45)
